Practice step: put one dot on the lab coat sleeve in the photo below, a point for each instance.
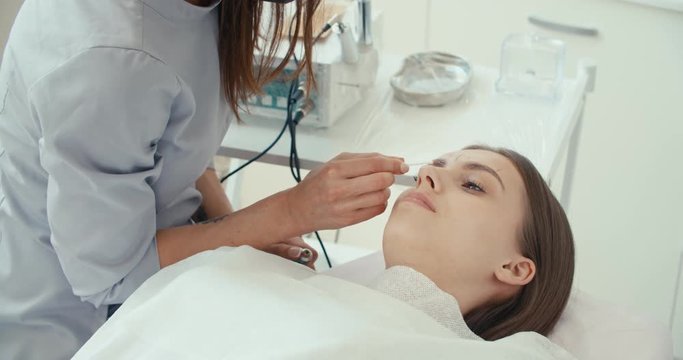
(101, 115)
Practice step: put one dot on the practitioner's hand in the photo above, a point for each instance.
(344, 191)
(291, 249)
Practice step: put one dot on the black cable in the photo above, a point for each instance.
(325, 29)
(293, 98)
(294, 166)
(265, 151)
(294, 163)
(279, 135)
(290, 103)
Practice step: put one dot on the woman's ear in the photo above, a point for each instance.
(518, 271)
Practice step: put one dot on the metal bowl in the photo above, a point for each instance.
(431, 79)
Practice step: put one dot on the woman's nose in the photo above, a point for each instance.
(428, 177)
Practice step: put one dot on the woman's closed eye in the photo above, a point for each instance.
(473, 186)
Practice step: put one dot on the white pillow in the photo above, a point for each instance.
(589, 329)
(592, 329)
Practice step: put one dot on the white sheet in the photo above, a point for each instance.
(241, 303)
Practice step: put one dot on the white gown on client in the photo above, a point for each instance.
(241, 303)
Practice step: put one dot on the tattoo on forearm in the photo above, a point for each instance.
(215, 220)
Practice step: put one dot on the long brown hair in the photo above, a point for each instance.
(240, 30)
(547, 240)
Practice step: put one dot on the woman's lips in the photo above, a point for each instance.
(419, 199)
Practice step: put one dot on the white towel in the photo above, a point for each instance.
(414, 288)
(245, 304)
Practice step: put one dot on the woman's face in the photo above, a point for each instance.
(460, 224)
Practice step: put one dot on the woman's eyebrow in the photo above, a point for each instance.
(481, 167)
(439, 162)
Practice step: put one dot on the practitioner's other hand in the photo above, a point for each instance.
(344, 191)
(292, 249)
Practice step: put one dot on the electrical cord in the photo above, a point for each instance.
(295, 95)
(294, 163)
(260, 155)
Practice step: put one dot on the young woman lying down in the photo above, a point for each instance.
(480, 261)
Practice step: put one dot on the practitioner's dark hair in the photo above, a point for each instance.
(547, 240)
(242, 31)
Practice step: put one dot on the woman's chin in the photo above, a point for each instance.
(397, 228)
(399, 237)
(411, 224)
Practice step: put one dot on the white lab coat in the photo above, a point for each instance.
(109, 112)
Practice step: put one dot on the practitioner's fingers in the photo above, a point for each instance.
(369, 213)
(318, 199)
(368, 200)
(352, 168)
(347, 156)
(298, 241)
(368, 183)
(297, 251)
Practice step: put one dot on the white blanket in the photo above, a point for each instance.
(245, 304)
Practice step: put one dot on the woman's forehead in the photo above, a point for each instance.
(501, 164)
(485, 157)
